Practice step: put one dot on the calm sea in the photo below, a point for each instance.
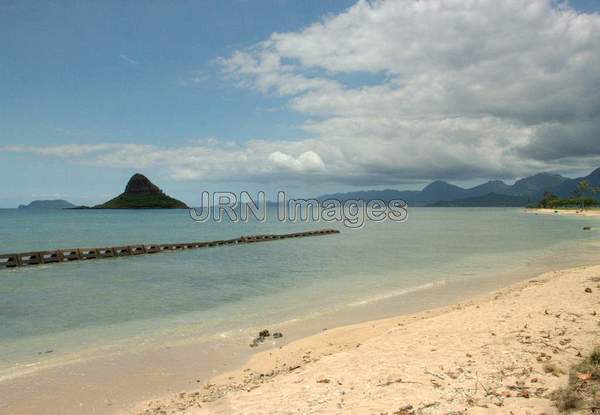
(81, 307)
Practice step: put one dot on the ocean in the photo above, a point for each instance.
(80, 309)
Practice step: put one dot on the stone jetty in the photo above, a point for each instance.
(26, 259)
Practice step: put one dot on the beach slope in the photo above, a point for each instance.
(507, 351)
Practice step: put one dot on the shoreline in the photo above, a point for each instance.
(184, 366)
(567, 212)
(497, 352)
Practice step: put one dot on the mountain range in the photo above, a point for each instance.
(492, 193)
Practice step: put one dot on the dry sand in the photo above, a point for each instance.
(501, 353)
(569, 212)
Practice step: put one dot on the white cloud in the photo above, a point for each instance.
(305, 162)
(465, 87)
(67, 150)
(128, 60)
(194, 78)
(402, 90)
(207, 159)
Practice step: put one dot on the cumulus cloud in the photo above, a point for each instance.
(204, 159)
(305, 162)
(401, 90)
(468, 88)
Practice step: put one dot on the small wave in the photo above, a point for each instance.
(26, 269)
(397, 293)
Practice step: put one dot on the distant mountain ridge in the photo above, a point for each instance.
(489, 200)
(492, 193)
(535, 186)
(48, 204)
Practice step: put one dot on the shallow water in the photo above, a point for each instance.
(77, 308)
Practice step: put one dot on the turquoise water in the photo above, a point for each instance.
(68, 308)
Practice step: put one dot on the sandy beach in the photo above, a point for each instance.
(300, 207)
(277, 207)
(568, 212)
(500, 353)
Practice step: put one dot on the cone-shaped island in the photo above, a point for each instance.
(141, 193)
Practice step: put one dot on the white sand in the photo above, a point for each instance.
(491, 355)
(569, 212)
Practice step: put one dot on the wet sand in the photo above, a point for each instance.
(116, 382)
(501, 353)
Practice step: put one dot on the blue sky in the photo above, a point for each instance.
(177, 79)
(89, 72)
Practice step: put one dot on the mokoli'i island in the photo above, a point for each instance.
(141, 193)
(284, 207)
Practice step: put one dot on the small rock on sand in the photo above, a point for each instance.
(262, 335)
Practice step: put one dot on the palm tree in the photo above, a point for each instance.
(582, 188)
(595, 191)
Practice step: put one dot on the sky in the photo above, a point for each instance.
(309, 96)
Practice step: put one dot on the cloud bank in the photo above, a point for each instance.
(402, 90)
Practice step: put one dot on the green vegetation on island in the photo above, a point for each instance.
(141, 193)
(583, 196)
(554, 202)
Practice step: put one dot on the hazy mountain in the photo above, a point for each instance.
(385, 195)
(566, 188)
(441, 190)
(489, 200)
(48, 204)
(493, 193)
(535, 186)
(493, 186)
